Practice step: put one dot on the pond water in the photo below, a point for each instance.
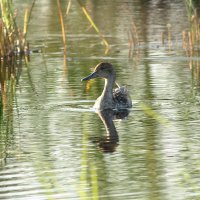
(54, 146)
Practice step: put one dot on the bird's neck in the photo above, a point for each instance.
(106, 101)
(107, 93)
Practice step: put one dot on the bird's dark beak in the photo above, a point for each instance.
(91, 76)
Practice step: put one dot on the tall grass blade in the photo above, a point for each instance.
(25, 22)
(63, 36)
(62, 26)
(94, 25)
(12, 39)
(8, 15)
(27, 17)
(68, 7)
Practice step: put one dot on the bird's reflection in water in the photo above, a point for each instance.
(109, 142)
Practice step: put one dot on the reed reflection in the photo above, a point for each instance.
(10, 71)
(109, 142)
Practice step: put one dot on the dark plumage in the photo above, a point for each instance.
(114, 99)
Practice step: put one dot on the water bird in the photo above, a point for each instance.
(109, 99)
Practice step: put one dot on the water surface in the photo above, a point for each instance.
(51, 141)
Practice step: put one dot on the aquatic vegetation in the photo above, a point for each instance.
(62, 26)
(89, 18)
(13, 46)
(133, 39)
(86, 13)
(27, 17)
(12, 39)
(166, 37)
(133, 36)
(9, 74)
(191, 39)
(68, 7)
(63, 35)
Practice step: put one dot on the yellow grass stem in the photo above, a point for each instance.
(63, 36)
(130, 44)
(68, 7)
(8, 15)
(62, 26)
(86, 13)
(134, 33)
(27, 17)
(190, 41)
(11, 37)
(169, 37)
(25, 22)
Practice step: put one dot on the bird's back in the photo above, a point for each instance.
(122, 98)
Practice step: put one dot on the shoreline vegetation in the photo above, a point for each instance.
(13, 49)
(13, 41)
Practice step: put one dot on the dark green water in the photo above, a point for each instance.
(51, 142)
